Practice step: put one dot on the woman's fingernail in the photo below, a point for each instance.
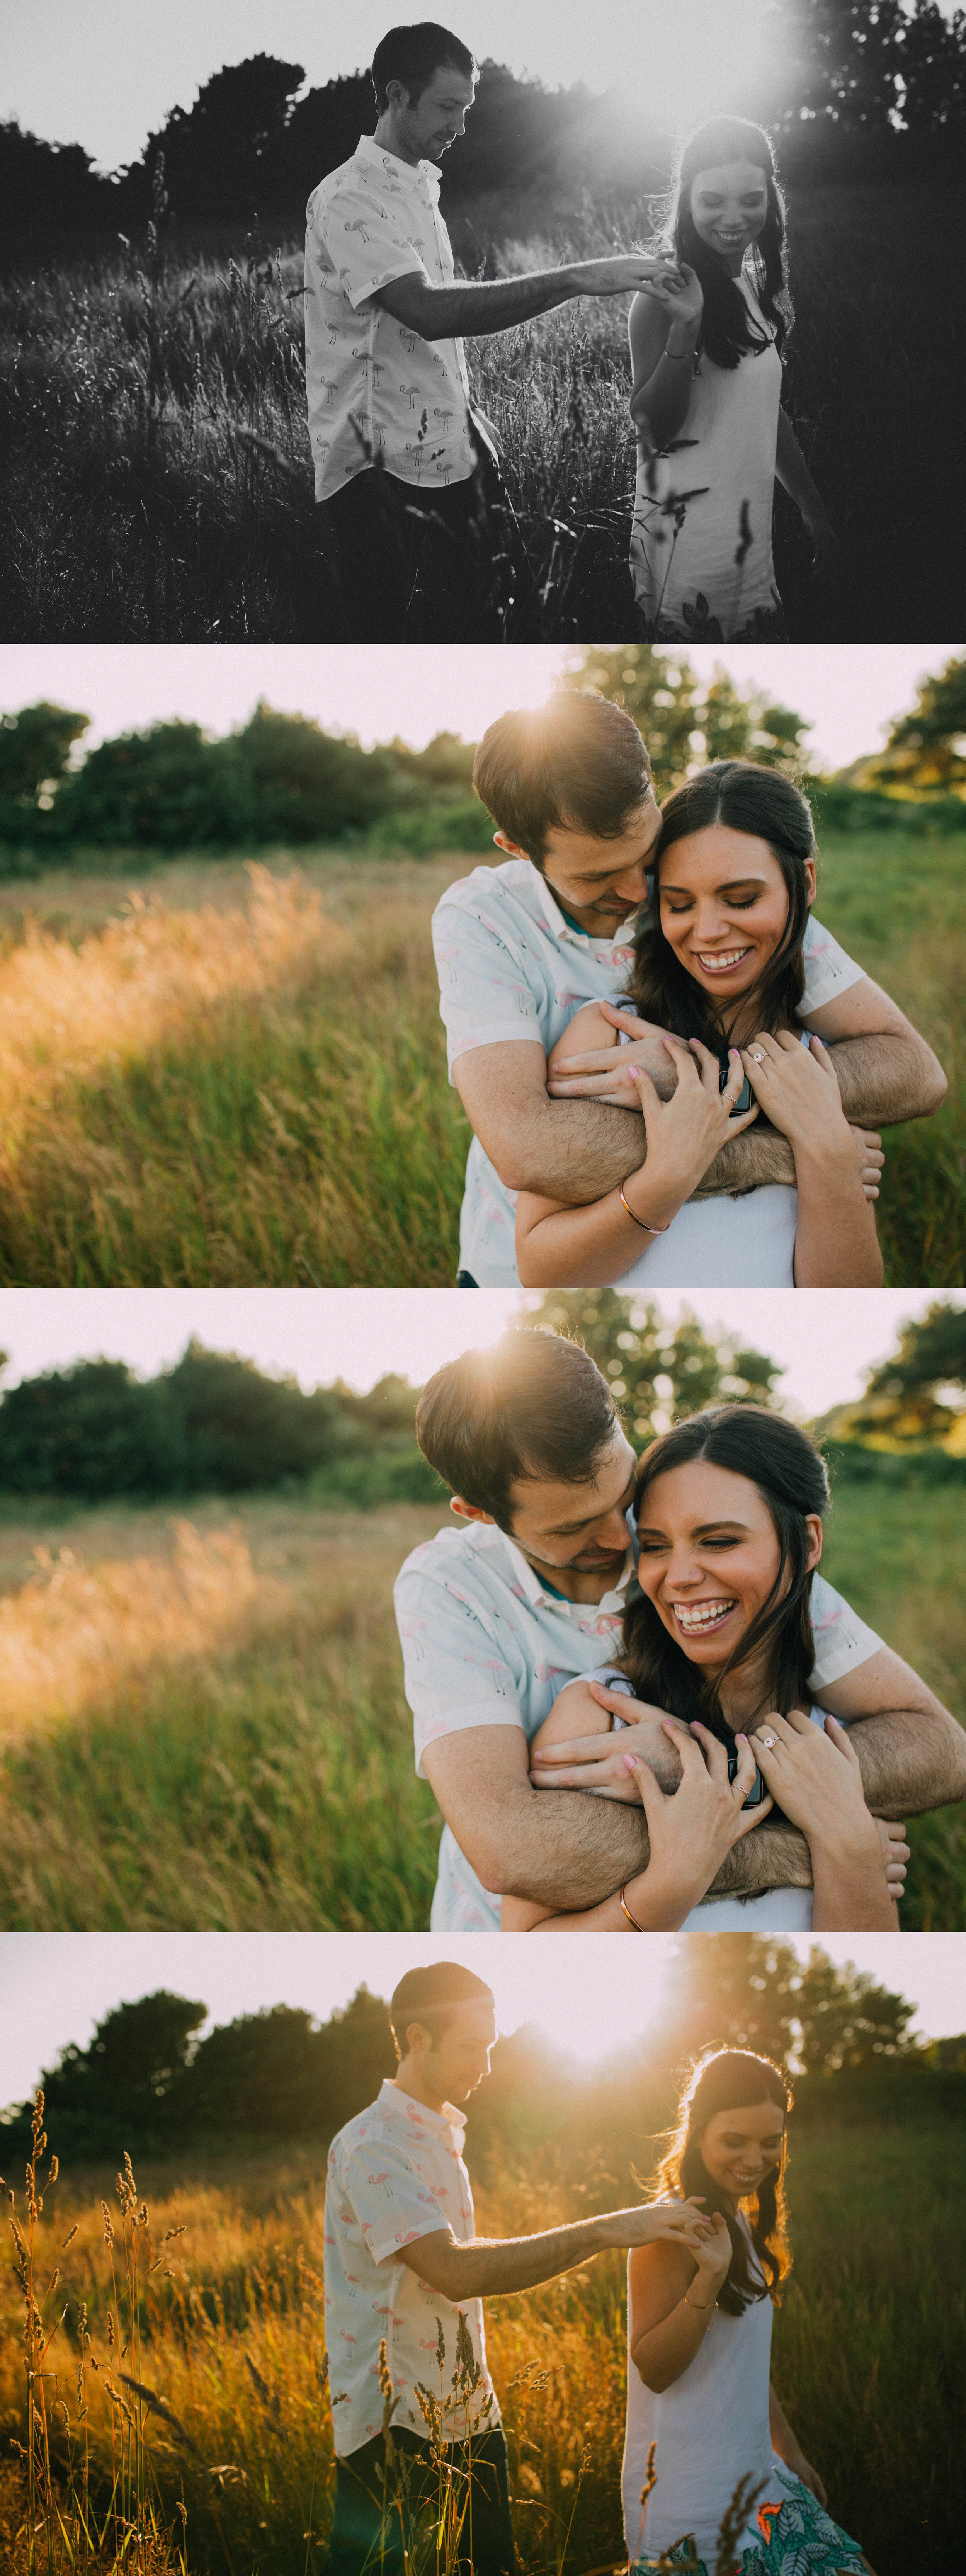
(630, 1763)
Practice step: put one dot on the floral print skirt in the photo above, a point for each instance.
(788, 2533)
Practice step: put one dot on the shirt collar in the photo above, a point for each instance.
(535, 1591)
(448, 2123)
(427, 171)
(561, 929)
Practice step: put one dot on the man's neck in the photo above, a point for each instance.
(389, 139)
(568, 1579)
(407, 2079)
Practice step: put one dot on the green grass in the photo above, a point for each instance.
(134, 507)
(868, 2347)
(300, 1129)
(262, 1779)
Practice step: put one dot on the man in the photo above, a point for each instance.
(404, 2266)
(403, 466)
(570, 789)
(494, 1620)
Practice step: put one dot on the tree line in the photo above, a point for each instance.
(215, 1423)
(846, 89)
(284, 781)
(147, 2082)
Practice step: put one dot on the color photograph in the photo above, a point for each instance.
(416, 2260)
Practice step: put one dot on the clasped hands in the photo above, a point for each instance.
(794, 1086)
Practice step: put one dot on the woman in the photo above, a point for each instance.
(718, 964)
(699, 2348)
(707, 342)
(718, 1647)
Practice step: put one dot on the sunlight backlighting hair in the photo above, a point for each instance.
(733, 2079)
(411, 55)
(578, 763)
(728, 331)
(532, 1406)
(431, 1995)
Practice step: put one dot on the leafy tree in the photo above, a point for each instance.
(902, 1403)
(124, 2089)
(683, 725)
(926, 749)
(91, 1430)
(846, 2022)
(239, 1428)
(308, 785)
(221, 155)
(35, 748)
(932, 69)
(165, 788)
(658, 1372)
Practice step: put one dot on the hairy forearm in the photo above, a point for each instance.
(520, 2262)
(751, 1161)
(490, 304)
(884, 1081)
(775, 1855)
(911, 1760)
(582, 1149)
(563, 1850)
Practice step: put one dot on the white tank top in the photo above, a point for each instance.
(777, 1909)
(711, 2429)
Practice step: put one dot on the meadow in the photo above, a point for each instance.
(213, 1075)
(204, 1724)
(158, 481)
(867, 2352)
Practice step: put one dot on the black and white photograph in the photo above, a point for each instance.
(640, 325)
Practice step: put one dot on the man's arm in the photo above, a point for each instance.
(912, 1751)
(495, 2265)
(567, 1852)
(495, 304)
(577, 1150)
(885, 1071)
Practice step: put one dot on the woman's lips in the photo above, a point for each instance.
(721, 961)
(701, 1618)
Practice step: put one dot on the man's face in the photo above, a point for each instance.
(599, 882)
(438, 118)
(457, 2064)
(579, 1528)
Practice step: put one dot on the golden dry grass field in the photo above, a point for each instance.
(204, 1722)
(867, 2356)
(217, 1075)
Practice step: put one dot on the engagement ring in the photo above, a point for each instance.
(769, 1740)
(757, 1056)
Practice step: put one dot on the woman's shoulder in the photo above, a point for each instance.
(588, 1028)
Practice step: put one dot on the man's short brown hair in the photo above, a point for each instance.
(577, 762)
(431, 1996)
(533, 1406)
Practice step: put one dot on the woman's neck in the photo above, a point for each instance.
(746, 1694)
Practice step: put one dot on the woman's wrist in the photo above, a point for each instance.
(656, 1902)
(681, 340)
(653, 1203)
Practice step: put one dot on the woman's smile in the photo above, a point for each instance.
(725, 962)
(697, 1618)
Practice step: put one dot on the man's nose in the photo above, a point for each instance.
(632, 886)
(613, 1532)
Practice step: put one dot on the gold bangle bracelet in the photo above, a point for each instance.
(703, 2310)
(625, 1909)
(641, 1221)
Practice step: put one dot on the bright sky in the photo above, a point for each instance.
(82, 74)
(79, 75)
(848, 692)
(825, 1339)
(54, 1986)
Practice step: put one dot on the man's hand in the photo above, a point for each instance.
(871, 1159)
(626, 274)
(895, 1853)
(591, 1075)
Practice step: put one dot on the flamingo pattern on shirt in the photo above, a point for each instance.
(396, 2173)
(375, 387)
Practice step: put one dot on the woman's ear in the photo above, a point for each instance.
(816, 1534)
(810, 881)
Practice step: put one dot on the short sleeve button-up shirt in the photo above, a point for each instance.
(511, 966)
(375, 388)
(485, 1643)
(396, 2173)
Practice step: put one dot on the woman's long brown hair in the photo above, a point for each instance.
(734, 2079)
(763, 803)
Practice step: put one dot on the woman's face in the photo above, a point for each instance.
(709, 1555)
(738, 2148)
(728, 208)
(724, 906)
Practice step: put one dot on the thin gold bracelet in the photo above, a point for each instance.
(625, 1909)
(700, 2305)
(639, 1220)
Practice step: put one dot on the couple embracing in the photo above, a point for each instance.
(674, 1074)
(637, 1701)
(419, 538)
(405, 2280)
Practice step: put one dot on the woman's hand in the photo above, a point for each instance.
(692, 1832)
(680, 292)
(802, 2468)
(797, 1089)
(685, 1133)
(814, 1776)
(713, 2259)
(828, 552)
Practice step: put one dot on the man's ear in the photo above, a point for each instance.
(512, 848)
(469, 1511)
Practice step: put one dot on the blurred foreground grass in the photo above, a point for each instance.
(204, 1724)
(212, 1076)
(868, 2349)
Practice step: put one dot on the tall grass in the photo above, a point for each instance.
(216, 1077)
(158, 482)
(233, 2412)
(204, 1727)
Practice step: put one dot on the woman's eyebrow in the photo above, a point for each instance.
(703, 1529)
(732, 885)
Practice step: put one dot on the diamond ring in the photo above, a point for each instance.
(768, 1740)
